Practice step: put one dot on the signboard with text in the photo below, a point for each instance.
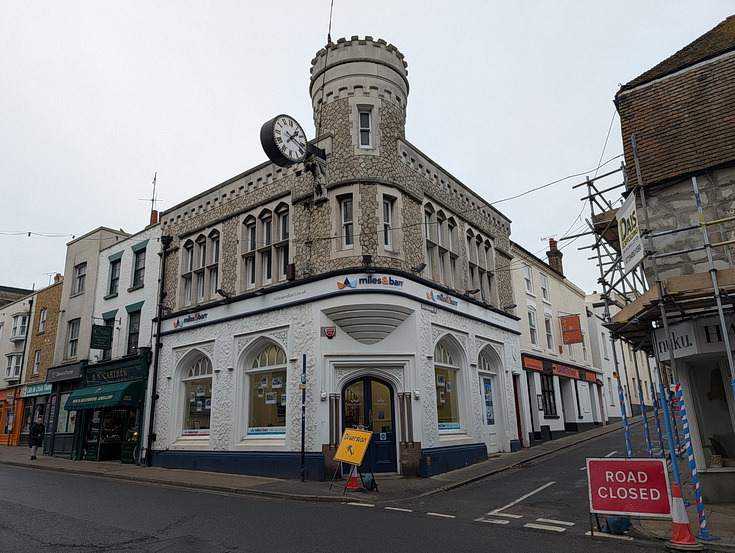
(353, 446)
(101, 337)
(634, 487)
(571, 330)
(631, 243)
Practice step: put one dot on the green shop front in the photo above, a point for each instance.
(110, 409)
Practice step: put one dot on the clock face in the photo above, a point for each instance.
(289, 138)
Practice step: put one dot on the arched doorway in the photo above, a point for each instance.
(368, 403)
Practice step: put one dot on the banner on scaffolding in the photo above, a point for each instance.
(631, 243)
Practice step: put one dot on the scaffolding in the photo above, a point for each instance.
(646, 313)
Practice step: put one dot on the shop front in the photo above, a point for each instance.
(110, 410)
(703, 370)
(61, 425)
(34, 404)
(8, 429)
(563, 398)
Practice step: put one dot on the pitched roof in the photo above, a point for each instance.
(713, 43)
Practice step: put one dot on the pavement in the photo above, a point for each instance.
(720, 519)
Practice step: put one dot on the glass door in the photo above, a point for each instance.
(368, 405)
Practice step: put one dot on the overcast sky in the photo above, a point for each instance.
(96, 97)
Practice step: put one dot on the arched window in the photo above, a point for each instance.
(487, 367)
(446, 373)
(197, 384)
(266, 389)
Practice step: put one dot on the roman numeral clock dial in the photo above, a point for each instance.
(283, 140)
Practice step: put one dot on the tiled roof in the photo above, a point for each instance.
(9, 294)
(684, 124)
(719, 40)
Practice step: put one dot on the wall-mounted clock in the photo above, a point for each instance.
(283, 140)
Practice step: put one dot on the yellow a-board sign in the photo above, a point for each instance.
(353, 446)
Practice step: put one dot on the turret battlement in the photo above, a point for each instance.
(359, 67)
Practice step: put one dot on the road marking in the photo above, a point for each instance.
(440, 515)
(399, 509)
(611, 454)
(529, 494)
(508, 515)
(583, 468)
(552, 521)
(360, 504)
(544, 527)
(606, 535)
(492, 520)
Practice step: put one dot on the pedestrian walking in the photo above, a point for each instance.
(35, 436)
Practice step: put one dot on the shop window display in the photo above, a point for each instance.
(267, 393)
(197, 399)
(445, 373)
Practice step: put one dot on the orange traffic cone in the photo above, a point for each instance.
(352, 484)
(682, 538)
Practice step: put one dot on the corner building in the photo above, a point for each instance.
(370, 283)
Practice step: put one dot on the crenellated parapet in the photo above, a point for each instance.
(358, 67)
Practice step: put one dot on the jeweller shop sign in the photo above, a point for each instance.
(636, 487)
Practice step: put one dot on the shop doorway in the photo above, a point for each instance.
(110, 434)
(367, 403)
(488, 430)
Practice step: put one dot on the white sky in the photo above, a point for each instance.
(96, 97)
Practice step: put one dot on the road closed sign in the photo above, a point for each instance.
(636, 487)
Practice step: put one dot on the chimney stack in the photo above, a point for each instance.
(154, 216)
(554, 256)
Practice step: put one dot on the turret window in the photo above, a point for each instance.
(365, 131)
(348, 229)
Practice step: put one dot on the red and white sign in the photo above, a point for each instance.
(638, 487)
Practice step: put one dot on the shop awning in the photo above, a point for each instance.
(124, 394)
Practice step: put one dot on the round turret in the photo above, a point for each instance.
(358, 69)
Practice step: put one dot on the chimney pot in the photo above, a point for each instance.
(554, 256)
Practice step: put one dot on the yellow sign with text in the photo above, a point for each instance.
(353, 446)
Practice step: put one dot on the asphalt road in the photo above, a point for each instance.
(542, 507)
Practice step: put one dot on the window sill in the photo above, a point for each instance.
(134, 288)
(190, 443)
(257, 443)
(110, 296)
(552, 417)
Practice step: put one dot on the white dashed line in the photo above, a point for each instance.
(552, 521)
(440, 515)
(361, 504)
(611, 454)
(544, 527)
(492, 520)
(399, 509)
